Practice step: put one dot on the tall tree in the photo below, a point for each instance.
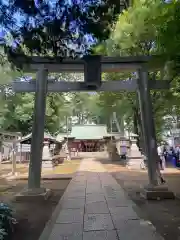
(137, 33)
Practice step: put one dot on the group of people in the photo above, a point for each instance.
(168, 154)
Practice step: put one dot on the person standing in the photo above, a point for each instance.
(160, 163)
(177, 153)
(160, 151)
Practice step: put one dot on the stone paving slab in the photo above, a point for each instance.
(94, 185)
(71, 197)
(119, 219)
(70, 216)
(77, 184)
(124, 212)
(114, 194)
(66, 232)
(75, 194)
(79, 191)
(96, 222)
(90, 198)
(113, 202)
(73, 204)
(96, 193)
(100, 235)
(94, 206)
(90, 191)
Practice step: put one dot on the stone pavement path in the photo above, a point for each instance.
(95, 207)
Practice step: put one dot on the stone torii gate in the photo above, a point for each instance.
(92, 66)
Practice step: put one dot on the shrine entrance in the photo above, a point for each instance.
(92, 66)
(89, 146)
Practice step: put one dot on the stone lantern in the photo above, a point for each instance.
(135, 158)
(47, 161)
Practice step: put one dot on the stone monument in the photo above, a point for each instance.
(112, 151)
(134, 157)
(47, 161)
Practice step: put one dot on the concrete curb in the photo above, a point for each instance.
(47, 178)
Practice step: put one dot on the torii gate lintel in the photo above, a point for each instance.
(130, 85)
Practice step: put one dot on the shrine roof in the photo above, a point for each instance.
(89, 132)
(61, 136)
(46, 136)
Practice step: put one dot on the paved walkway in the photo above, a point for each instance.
(94, 207)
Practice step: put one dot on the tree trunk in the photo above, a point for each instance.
(140, 129)
(79, 118)
(136, 125)
(135, 122)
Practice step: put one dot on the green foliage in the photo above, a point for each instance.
(134, 32)
(144, 29)
(56, 111)
(168, 28)
(7, 222)
(6, 73)
(17, 114)
(58, 28)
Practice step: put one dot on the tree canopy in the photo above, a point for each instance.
(60, 27)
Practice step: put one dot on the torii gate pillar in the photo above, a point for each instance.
(34, 180)
(153, 191)
(149, 133)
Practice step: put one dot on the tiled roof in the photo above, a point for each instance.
(89, 132)
(46, 136)
(60, 137)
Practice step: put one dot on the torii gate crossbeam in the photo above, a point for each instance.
(109, 86)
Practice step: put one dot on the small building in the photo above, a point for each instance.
(24, 146)
(7, 140)
(87, 138)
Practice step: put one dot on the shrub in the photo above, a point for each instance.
(7, 222)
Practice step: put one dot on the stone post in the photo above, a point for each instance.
(14, 158)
